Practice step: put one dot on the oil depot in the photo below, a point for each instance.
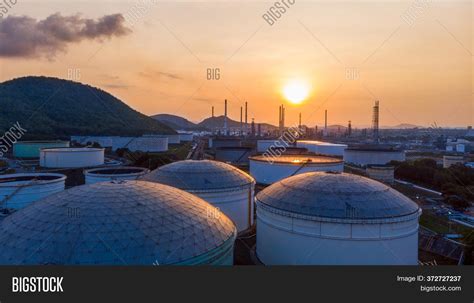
(71, 157)
(221, 184)
(325, 218)
(31, 149)
(103, 174)
(150, 224)
(20, 190)
(267, 169)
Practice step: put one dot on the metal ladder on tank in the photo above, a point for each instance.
(301, 167)
(3, 203)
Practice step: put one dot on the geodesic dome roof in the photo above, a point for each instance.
(336, 195)
(118, 222)
(199, 175)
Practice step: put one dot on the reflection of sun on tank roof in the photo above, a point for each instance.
(198, 175)
(295, 159)
(336, 196)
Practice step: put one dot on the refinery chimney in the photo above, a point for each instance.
(375, 121)
(246, 125)
(225, 117)
(241, 121)
(325, 123)
(212, 112)
(349, 129)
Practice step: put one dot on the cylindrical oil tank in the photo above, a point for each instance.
(186, 137)
(286, 151)
(234, 155)
(224, 142)
(264, 145)
(323, 148)
(373, 156)
(71, 157)
(382, 173)
(149, 144)
(20, 190)
(103, 174)
(324, 218)
(449, 161)
(103, 141)
(118, 223)
(173, 139)
(31, 149)
(223, 185)
(267, 169)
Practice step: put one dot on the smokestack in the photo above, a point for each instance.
(325, 123)
(349, 129)
(300, 122)
(375, 121)
(253, 127)
(279, 117)
(225, 117)
(241, 130)
(213, 112)
(246, 115)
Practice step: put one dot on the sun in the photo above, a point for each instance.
(296, 91)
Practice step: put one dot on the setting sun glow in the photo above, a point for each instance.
(296, 91)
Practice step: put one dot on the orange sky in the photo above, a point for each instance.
(421, 73)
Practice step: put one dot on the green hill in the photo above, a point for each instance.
(51, 108)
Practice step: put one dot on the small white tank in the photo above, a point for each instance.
(103, 174)
(71, 157)
(270, 168)
(20, 190)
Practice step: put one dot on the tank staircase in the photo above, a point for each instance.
(3, 203)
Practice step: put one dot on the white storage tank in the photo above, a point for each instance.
(264, 145)
(31, 149)
(224, 186)
(103, 174)
(234, 155)
(20, 190)
(71, 157)
(103, 141)
(150, 144)
(335, 219)
(323, 148)
(118, 223)
(173, 139)
(186, 137)
(382, 173)
(215, 142)
(373, 155)
(269, 169)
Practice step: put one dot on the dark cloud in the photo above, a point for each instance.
(23, 36)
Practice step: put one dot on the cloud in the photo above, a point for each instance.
(155, 75)
(116, 86)
(23, 36)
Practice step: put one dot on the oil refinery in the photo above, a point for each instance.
(236, 195)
